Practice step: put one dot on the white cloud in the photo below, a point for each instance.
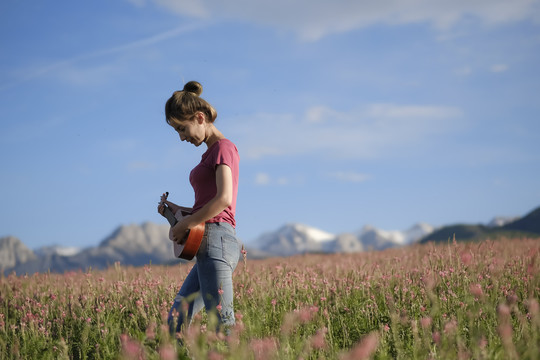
(463, 71)
(349, 176)
(497, 68)
(262, 179)
(411, 111)
(313, 19)
(372, 131)
(137, 3)
(282, 181)
(140, 166)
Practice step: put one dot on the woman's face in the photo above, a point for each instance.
(191, 130)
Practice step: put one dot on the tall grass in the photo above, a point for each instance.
(449, 301)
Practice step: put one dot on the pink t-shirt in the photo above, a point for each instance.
(203, 178)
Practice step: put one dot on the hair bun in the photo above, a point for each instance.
(193, 87)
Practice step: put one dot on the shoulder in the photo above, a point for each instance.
(227, 146)
(226, 143)
(222, 152)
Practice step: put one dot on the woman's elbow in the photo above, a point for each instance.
(225, 201)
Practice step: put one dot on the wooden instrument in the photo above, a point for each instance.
(194, 236)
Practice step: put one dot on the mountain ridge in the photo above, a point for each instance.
(528, 225)
(133, 244)
(140, 244)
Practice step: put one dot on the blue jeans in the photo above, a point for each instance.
(211, 275)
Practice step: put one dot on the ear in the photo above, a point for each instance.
(200, 117)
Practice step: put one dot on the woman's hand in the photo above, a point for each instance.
(164, 197)
(180, 230)
(162, 202)
(161, 208)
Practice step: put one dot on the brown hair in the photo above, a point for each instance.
(184, 104)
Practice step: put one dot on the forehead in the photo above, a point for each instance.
(174, 122)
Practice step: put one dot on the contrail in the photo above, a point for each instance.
(37, 72)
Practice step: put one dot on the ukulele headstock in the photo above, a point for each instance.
(164, 197)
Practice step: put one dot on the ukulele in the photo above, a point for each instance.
(193, 237)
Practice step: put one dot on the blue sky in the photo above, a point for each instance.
(346, 113)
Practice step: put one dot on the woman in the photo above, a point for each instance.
(215, 182)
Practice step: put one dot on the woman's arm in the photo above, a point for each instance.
(174, 208)
(220, 202)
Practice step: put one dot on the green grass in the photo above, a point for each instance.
(446, 301)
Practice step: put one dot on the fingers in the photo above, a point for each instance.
(164, 196)
(179, 242)
(182, 240)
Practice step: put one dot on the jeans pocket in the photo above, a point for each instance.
(231, 249)
(214, 249)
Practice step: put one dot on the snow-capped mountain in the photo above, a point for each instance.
(294, 239)
(378, 239)
(417, 232)
(134, 245)
(138, 245)
(499, 221)
(13, 252)
(57, 250)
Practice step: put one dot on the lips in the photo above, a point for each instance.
(192, 141)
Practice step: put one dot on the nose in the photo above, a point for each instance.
(182, 137)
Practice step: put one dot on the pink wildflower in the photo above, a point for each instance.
(505, 332)
(166, 352)
(511, 299)
(364, 349)
(482, 343)
(263, 348)
(503, 311)
(213, 355)
(466, 258)
(476, 290)
(305, 315)
(450, 327)
(318, 340)
(238, 316)
(425, 322)
(533, 307)
(436, 336)
(131, 349)
(151, 331)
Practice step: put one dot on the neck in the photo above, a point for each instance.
(212, 135)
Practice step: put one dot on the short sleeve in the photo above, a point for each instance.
(225, 154)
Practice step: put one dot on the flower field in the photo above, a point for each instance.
(447, 301)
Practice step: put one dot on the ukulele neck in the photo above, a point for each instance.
(168, 214)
